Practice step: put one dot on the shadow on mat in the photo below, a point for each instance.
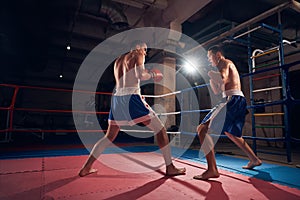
(140, 191)
(216, 190)
(269, 190)
(43, 189)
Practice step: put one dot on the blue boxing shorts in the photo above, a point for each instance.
(128, 107)
(229, 115)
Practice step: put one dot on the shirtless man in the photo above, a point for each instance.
(129, 108)
(226, 82)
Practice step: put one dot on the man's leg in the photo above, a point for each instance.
(241, 143)
(98, 148)
(208, 149)
(163, 142)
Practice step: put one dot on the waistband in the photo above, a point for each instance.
(232, 92)
(127, 91)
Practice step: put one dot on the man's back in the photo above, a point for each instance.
(124, 71)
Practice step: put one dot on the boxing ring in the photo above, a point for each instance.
(53, 175)
(11, 109)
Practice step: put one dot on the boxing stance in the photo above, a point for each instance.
(129, 108)
(226, 82)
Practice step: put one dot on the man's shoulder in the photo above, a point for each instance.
(229, 63)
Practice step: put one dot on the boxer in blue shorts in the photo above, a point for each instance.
(128, 108)
(233, 108)
(228, 116)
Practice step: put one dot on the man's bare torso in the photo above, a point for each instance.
(229, 75)
(124, 71)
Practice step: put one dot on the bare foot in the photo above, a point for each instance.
(207, 175)
(251, 164)
(85, 172)
(173, 171)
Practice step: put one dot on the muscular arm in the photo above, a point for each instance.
(140, 71)
(216, 82)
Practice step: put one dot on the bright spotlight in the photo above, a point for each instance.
(189, 66)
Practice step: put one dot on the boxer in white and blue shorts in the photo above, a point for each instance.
(128, 107)
(228, 117)
(235, 105)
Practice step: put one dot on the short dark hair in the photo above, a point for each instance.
(216, 48)
(135, 43)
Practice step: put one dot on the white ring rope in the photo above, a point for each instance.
(162, 95)
(146, 131)
(184, 111)
(170, 113)
(177, 92)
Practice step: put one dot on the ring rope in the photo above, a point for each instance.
(60, 111)
(169, 113)
(286, 66)
(279, 102)
(52, 130)
(191, 111)
(184, 112)
(162, 95)
(53, 89)
(177, 92)
(146, 131)
(245, 137)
